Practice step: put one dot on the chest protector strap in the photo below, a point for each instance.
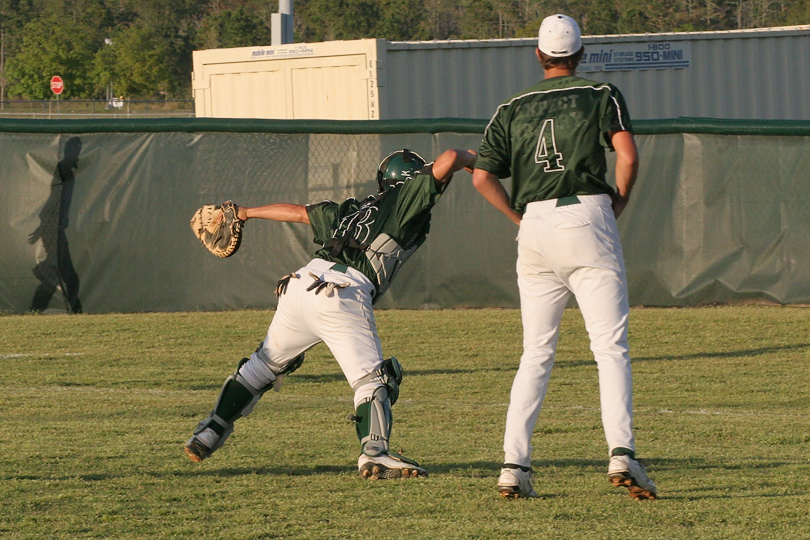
(386, 257)
(336, 245)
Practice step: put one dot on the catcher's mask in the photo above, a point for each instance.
(397, 167)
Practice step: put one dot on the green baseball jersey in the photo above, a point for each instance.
(551, 139)
(377, 234)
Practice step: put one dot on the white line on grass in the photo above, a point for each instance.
(38, 355)
(705, 412)
(700, 412)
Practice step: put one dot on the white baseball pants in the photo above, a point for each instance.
(564, 250)
(343, 320)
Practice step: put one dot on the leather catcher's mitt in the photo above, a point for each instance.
(218, 228)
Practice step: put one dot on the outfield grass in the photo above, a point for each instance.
(94, 410)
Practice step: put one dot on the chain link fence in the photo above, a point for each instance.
(80, 108)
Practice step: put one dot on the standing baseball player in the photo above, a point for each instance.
(363, 244)
(550, 139)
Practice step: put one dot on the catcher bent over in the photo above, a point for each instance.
(363, 245)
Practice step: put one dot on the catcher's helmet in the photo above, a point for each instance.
(397, 167)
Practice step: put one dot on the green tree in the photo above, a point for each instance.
(175, 24)
(798, 13)
(53, 46)
(601, 18)
(233, 28)
(328, 20)
(479, 20)
(441, 19)
(89, 12)
(133, 63)
(401, 20)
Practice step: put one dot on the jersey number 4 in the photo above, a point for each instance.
(547, 153)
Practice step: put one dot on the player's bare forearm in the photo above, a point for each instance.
(291, 213)
(493, 191)
(626, 168)
(625, 179)
(451, 161)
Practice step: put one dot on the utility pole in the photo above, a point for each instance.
(2, 68)
(281, 24)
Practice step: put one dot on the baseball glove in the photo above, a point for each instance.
(218, 228)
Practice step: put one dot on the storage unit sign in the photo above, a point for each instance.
(631, 56)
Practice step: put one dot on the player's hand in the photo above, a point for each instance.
(469, 168)
(619, 204)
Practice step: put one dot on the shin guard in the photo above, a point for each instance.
(373, 423)
(236, 399)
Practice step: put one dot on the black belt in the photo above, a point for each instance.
(567, 201)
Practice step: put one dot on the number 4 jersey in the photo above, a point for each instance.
(376, 235)
(551, 139)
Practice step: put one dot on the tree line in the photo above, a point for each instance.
(142, 48)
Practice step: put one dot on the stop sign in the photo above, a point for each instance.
(57, 85)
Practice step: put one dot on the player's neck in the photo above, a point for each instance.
(558, 72)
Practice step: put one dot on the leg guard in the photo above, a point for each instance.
(291, 366)
(236, 400)
(373, 423)
(392, 371)
(389, 374)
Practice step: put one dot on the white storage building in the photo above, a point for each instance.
(746, 74)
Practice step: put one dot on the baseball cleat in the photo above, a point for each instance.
(196, 450)
(625, 471)
(515, 483)
(387, 466)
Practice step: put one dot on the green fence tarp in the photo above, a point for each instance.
(720, 212)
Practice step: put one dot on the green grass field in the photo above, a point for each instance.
(94, 410)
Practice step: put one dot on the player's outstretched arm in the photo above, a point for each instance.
(493, 191)
(451, 161)
(292, 213)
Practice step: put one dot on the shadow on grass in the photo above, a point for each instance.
(335, 377)
(490, 469)
(561, 364)
(487, 468)
(198, 471)
(339, 377)
(729, 354)
(745, 353)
